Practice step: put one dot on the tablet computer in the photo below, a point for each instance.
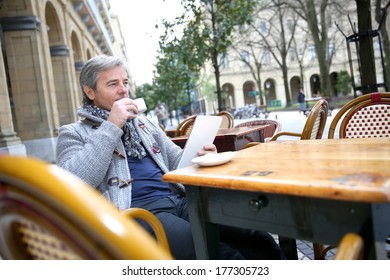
(203, 132)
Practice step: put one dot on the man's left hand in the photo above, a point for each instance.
(207, 149)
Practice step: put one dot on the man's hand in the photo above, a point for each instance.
(207, 149)
(122, 110)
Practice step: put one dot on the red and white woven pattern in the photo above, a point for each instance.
(369, 121)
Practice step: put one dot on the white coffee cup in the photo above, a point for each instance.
(141, 105)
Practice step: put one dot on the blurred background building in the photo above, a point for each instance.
(275, 56)
(44, 45)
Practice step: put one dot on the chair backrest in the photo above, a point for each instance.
(316, 120)
(315, 123)
(185, 126)
(227, 119)
(363, 117)
(273, 127)
(48, 213)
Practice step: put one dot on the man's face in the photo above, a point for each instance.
(112, 85)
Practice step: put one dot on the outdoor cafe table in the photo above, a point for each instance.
(315, 190)
(231, 139)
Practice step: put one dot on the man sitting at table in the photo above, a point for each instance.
(124, 155)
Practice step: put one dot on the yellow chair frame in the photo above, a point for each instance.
(351, 247)
(48, 213)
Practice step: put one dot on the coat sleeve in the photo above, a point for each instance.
(87, 155)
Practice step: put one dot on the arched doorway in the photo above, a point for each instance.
(249, 90)
(315, 85)
(270, 93)
(230, 102)
(295, 85)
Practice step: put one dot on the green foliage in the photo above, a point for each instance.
(206, 28)
(343, 84)
(208, 91)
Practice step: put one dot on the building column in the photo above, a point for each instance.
(9, 142)
(32, 86)
(66, 102)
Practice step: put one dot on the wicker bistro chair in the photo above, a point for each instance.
(48, 213)
(314, 126)
(273, 128)
(315, 123)
(227, 119)
(365, 116)
(185, 126)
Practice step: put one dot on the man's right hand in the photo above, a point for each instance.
(122, 110)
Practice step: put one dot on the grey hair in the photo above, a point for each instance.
(91, 69)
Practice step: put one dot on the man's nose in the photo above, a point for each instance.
(123, 88)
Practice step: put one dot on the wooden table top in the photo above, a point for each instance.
(342, 169)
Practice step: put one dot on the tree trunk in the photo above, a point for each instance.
(366, 55)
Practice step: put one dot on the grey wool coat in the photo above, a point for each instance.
(92, 149)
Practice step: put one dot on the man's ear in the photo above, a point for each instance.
(89, 92)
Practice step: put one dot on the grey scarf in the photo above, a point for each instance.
(131, 139)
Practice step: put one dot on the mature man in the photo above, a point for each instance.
(124, 155)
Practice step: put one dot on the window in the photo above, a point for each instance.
(289, 24)
(329, 20)
(291, 53)
(224, 62)
(262, 27)
(312, 52)
(245, 58)
(266, 56)
(331, 49)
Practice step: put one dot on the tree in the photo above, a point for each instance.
(317, 13)
(343, 84)
(168, 83)
(211, 29)
(300, 53)
(380, 17)
(180, 60)
(146, 91)
(255, 52)
(278, 38)
(207, 90)
(176, 69)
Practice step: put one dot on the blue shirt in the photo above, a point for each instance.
(147, 183)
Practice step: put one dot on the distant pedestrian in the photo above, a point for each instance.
(301, 100)
(162, 114)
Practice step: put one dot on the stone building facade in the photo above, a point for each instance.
(237, 80)
(44, 45)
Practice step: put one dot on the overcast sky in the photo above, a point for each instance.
(138, 20)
